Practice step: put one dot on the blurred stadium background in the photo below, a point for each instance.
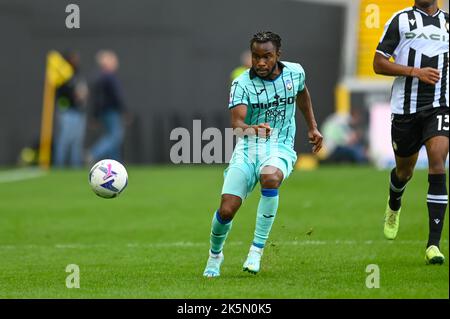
(176, 58)
(175, 63)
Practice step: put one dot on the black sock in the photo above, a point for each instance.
(396, 189)
(437, 200)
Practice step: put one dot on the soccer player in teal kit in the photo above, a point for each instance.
(262, 104)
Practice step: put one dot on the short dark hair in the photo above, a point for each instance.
(266, 36)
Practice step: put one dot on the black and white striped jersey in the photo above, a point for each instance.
(414, 38)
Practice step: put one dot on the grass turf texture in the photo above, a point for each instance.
(152, 241)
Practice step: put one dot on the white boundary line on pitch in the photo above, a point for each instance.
(20, 174)
(205, 244)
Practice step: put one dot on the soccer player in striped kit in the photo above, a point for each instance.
(417, 38)
(262, 102)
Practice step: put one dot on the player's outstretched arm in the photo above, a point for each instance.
(238, 114)
(305, 105)
(382, 65)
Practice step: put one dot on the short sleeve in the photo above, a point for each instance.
(390, 38)
(238, 95)
(301, 79)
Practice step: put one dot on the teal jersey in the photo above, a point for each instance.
(270, 101)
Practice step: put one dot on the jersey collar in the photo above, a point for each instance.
(253, 73)
(423, 12)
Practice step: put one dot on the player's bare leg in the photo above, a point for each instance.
(400, 176)
(229, 206)
(270, 180)
(221, 225)
(437, 198)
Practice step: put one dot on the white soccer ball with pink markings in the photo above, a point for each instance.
(108, 178)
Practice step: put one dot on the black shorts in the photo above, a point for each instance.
(410, 131)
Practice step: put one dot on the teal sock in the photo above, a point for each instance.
(219, 232)
(267, 210)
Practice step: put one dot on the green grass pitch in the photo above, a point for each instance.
(152, 241)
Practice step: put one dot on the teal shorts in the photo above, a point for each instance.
(243, 172)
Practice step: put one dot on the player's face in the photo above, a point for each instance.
(425, 3)
(264, 58)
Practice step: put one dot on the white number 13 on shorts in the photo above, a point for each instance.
(446, 120)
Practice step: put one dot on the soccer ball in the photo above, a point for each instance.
(108, 178)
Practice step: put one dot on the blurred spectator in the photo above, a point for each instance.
(246, 63)
(344, 138)
(71, 100)
(108, 108)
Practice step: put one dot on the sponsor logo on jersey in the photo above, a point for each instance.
(423, 35)
(278, 102)
(274, 114)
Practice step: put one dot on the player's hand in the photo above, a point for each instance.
(427, 75)
(316, 139)
(262, 130)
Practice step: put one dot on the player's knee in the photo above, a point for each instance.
(227, 212)
(404, 175)
(229, 206)
(270, 181)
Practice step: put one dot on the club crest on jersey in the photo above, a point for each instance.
(288, 84)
